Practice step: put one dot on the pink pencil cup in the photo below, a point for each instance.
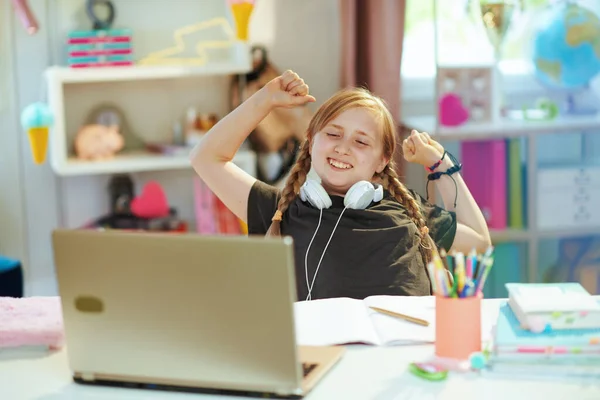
(457, 327)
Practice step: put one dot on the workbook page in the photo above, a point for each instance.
(333, 321)
(396, 331)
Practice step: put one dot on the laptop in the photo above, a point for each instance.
(208, 314)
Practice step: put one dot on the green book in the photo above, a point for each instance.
(515, 185)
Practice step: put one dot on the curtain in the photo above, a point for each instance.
(372, 35)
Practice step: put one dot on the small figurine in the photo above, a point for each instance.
(98, 142)
(206, 121)
(197, 126)
(111, 115)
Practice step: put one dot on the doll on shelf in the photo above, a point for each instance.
(277, 138)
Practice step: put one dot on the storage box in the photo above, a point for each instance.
(568, 198)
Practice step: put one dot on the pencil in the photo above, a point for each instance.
(477, 263)
(401, 316)
(431, 272)
(444, 258)
(488, 263)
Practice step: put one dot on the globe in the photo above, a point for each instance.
(566, 46)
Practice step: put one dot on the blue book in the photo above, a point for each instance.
(99, 46)
(96, 33)
(511, 337)
(100, 59)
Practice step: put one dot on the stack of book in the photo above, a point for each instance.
(547, 331)
(495, 171)
(100, 48)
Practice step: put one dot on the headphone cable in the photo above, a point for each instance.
(309, 297)
(307, 250)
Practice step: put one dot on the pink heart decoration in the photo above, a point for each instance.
(151, 203)
(452, 111)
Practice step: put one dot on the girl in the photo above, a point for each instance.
(357, 230)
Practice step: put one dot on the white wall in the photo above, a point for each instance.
(36, 201)
(30, 57)
(12, 210)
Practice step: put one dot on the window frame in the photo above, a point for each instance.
(517, 75)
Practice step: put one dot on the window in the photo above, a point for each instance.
(462, 38)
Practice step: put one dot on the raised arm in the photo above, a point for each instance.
(472, 230)
(212, 157)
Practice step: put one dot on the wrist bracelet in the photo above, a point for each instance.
(450, 171)
(437, 164)
(436, 175)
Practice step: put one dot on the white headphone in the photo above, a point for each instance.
(358, 197)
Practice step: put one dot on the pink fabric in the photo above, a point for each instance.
(372, 37)
(31, 321)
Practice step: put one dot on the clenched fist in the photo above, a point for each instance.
(420, 148)
(287, 90)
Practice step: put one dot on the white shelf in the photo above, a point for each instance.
(510, 235)
(138, 162)
(504, 129)
(240, 63)
(139, 72)
(58, 78)
(524, 235)
(568, 232)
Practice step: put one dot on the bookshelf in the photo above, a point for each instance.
(151, 99)
(531, 130)
(545, 211)
(60, 79)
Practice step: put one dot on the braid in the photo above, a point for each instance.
(291, 189)
(393, 185)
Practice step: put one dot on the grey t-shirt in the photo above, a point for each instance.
(372, 252)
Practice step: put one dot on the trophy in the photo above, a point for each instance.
(496, 16)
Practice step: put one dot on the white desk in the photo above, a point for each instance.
(364, 373)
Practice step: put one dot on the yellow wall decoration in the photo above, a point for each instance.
(169, 55)
(241, 10)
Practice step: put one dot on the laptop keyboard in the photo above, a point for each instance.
(307, 368)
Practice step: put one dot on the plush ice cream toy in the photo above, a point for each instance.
(37, 119)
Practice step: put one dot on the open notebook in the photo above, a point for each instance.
(340, 321)
(344, 321)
